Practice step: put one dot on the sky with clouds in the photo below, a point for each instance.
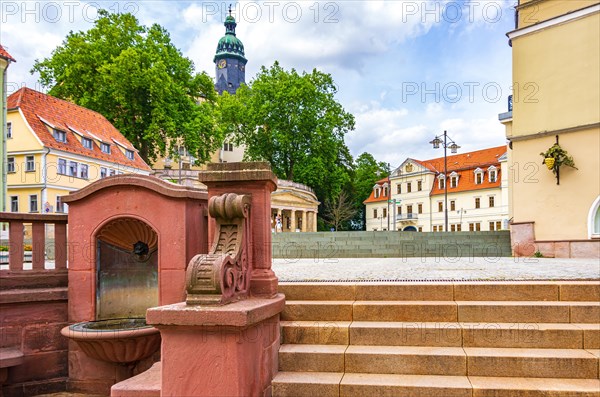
(407, 70)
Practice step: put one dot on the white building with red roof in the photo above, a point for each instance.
(55, 147)
(413, 197)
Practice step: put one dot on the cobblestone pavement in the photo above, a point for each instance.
(399, 269)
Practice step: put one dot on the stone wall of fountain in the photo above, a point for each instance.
(130, 240)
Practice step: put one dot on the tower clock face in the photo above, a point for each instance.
(222, 63)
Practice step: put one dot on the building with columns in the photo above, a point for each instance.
(297, 206)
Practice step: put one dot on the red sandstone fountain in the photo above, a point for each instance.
(130, 239)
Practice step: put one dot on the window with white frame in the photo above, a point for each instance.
(478, 176)
(33, 203)
(60, 206)
(129, 154)
(10, 165)
(59, 135)
(87, 143)
(62, 166)
(105, 147)
(112, 173)
(419, 185)
(103, 172)
(452, 205)
(375, 213)
(408, 187)
(420, 208)
(376, 190)
(442, 181)
(453, 179)
(440, 206)
(492, 174)
(228, 147)
(385, 212)
(399, 188)
(72, 168)
(30, 163)
(9, 130)
(492, 201)
(477, 202)
(14, 203)
(83, 171)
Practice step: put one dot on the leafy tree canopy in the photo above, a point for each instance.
(137, 79)
(367, 171)
(293, 121)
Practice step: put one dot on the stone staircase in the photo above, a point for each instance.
(526, 339)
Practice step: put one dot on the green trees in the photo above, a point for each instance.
(367, 171)
(137, 79)
(293, 121)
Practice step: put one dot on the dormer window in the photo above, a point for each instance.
(442, 181)
(376, 190)
(478, 176)
(492, 174)
(87, 143)
(129, 154)
(105, 147)
(59, 135)
(454, 179)
(385, 189)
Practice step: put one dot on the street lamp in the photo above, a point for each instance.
(447, 143)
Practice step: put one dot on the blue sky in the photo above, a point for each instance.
(407, 70)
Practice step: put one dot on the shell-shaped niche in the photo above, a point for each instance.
(125, 232)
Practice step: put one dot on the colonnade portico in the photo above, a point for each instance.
(295, 219)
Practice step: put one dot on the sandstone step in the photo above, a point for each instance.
(313, 358)
(534, 387)
(356, 385)
(299, 384)
(451, 291)
(307, 384)
(406, 360)
(317, 310)
(405, 333)
(522, 335)
(531, 312)
(427, 311)
(315, 332)
(540, 363)
(146, 384)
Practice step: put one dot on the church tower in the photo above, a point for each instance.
(229, 60)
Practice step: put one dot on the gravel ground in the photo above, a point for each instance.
(399, 269)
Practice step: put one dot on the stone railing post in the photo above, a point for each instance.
(224, 340)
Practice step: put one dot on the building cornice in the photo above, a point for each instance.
(584, 12)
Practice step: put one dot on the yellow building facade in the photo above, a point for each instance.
(5, 61)
(55, 147)
(556, 99)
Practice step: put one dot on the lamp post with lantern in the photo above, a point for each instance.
(447, 144)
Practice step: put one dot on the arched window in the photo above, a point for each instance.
(492, 174)
(594, 219)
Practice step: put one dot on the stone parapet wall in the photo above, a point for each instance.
(325, 245)
(33, 309)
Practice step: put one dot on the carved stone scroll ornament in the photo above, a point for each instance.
(223, 276)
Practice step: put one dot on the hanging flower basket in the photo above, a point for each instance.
(555, 157)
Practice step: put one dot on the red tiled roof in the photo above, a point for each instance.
(4, 54)
(381, 197)
(464, 165)
(40, 110)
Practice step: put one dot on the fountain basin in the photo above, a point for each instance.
(120, 341)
